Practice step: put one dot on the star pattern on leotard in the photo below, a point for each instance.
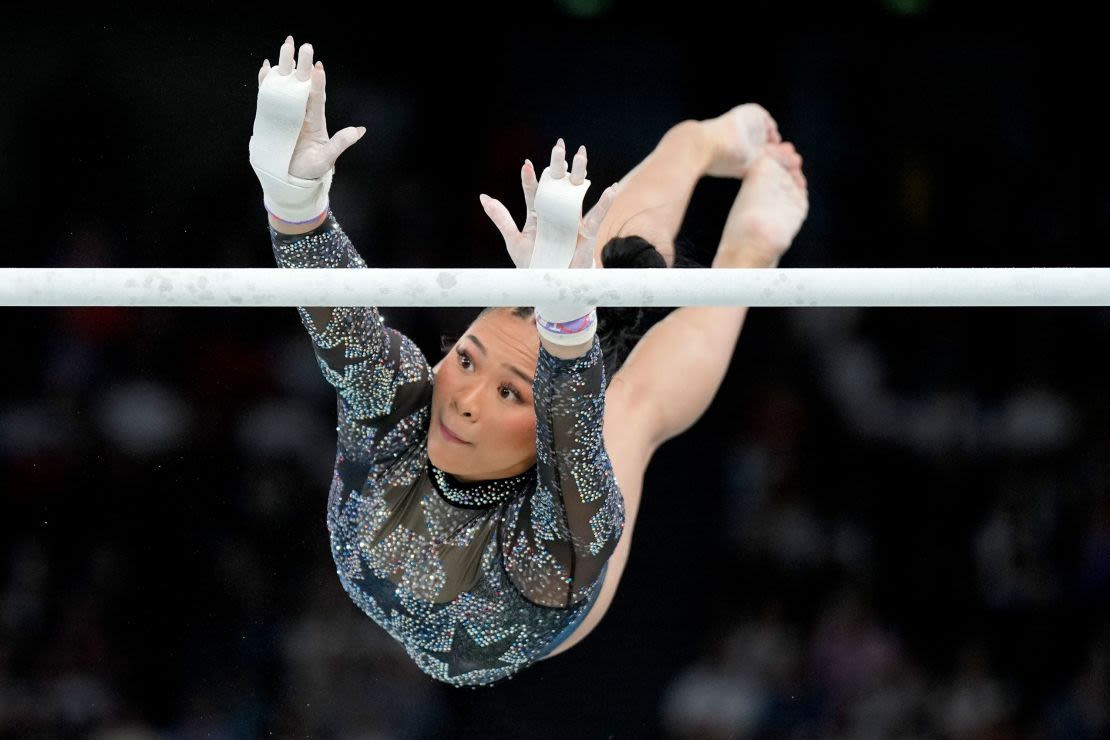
(512, 555)
(467, 655)
(390, 602)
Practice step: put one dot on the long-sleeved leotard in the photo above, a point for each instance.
(474, 579)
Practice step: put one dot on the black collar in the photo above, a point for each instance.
(480, 494)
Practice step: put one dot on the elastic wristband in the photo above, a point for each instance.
(297, 223)
(575, 331)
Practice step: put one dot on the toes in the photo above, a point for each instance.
(786, 155)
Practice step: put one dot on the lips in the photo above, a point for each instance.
(449, 436)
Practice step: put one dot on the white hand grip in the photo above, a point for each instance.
(282, 101)
(558, 213)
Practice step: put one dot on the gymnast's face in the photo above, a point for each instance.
(483, 423)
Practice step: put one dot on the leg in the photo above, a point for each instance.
(653, 197)
(683, 359)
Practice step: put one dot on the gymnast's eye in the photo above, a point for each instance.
(464, 358)
(512, 393)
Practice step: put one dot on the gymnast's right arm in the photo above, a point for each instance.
(379, 374)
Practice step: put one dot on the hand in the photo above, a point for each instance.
(520, 243)
(739, 137)
(315, 152)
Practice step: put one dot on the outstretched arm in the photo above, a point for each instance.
(379, 375)
(680, 362)
(556, 540)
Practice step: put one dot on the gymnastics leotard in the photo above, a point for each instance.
(477, 579)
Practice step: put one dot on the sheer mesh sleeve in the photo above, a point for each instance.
(382, 379)
(555, 542)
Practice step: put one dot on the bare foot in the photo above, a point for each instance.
(739, 137)
(769, 210)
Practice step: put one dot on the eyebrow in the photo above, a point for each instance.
(514, 368)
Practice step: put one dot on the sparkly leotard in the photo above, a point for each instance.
(474, 580)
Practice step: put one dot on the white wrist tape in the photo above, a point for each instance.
(567, 332)
(280, 113)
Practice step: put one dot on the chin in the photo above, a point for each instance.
(447, 465)
(434, 457)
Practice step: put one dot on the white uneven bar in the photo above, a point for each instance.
(243, 287)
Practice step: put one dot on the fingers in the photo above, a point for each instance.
(285, 57)
(316, 97)
(587, 232)
(592, 223)
(578, 169)
(529, 184)
(500, 216)
(285, 66)
(558, 160)
(341, 141)
(304, 62)
(265, 70)
(558, 167)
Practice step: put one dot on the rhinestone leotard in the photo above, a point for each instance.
(475, 579)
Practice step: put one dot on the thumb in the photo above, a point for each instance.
(500, 216)
(596, 215)
(342, 141)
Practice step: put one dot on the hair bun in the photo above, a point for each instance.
(631, 251)
(618, 327)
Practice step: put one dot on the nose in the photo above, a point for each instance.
(466, 400)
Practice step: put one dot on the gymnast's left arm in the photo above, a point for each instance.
(556, 541)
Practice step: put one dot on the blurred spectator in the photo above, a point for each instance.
(852, 653)
(975, 704)
(347, 678)
(1082, 712)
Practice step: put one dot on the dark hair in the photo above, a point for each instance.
(618, 328)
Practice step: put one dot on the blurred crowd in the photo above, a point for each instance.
(907, 560)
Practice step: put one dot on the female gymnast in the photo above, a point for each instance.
(474, 510)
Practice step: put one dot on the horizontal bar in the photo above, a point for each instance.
(261, 287)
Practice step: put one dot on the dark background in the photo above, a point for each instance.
(890, 523)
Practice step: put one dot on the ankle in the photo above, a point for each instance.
(696, 139)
